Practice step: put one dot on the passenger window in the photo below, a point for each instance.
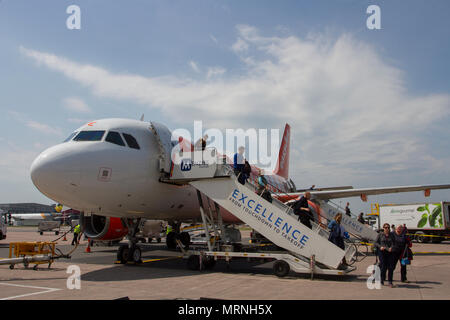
(71, 136)
(114, 137)
(131, 141)
(89, 136)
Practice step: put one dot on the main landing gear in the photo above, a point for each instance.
(130, 252)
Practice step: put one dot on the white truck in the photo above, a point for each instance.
(429, 222)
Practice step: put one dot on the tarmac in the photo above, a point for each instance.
(164, 275)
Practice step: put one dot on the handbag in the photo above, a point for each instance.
(409, 254)
(405, 261)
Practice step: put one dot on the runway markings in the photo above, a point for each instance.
(46, 290)
(431, 252)
(153, 260)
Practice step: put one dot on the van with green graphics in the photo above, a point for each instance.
(428, 222)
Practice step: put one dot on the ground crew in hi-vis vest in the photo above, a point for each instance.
(76, 233)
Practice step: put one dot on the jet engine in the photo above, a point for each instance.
(102, 228)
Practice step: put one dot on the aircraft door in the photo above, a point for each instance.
(163, 138)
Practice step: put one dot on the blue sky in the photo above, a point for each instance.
(367, 107)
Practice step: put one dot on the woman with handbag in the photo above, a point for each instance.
(400, 250)
(383, 245)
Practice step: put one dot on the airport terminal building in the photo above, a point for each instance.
(26, 208)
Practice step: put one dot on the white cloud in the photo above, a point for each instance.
(239, 46)
(35, 125)
(352, 117)
(76, 104)
(213, 39)
(42, 127)
(215, 71)
(194, 66)
(78, 120)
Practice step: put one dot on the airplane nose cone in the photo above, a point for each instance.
(56, 172)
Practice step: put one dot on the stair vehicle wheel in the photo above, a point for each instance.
(281, 268)
(11, 266)
(185, 239)
(193, 262)
(137, 255)
(209, 263)
(56, 233)
(122, 254)
(41, 233)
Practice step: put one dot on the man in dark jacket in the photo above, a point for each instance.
(245, 173)
(347, 210)
(301, 208)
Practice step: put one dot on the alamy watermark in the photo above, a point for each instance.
(74, 20)
(373, 22)
(374, 280)
(74, 280)
(261, 145)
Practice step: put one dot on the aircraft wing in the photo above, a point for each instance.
(364, 192)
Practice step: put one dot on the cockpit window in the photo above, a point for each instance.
(71, 136)
(114, 137)
(89, 136)
(131, 141)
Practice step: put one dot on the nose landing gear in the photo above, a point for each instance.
(130, 252)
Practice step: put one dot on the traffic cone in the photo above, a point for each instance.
(65, 239)
(88, 248)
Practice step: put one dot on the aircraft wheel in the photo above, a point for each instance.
(56, 233)
(11, 266)
(137, 255)
(193, 262)
(122, 254)
(281, 268)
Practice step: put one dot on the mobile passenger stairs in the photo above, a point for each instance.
(300, 249)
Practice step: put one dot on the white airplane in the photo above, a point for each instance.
(110, 170)
(34, 216)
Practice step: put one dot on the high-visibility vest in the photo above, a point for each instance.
(77, 229)
(168, 230)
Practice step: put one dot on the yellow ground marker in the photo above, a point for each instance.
(431, 252)
(152, 260)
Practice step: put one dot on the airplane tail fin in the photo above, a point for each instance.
(282, 168)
